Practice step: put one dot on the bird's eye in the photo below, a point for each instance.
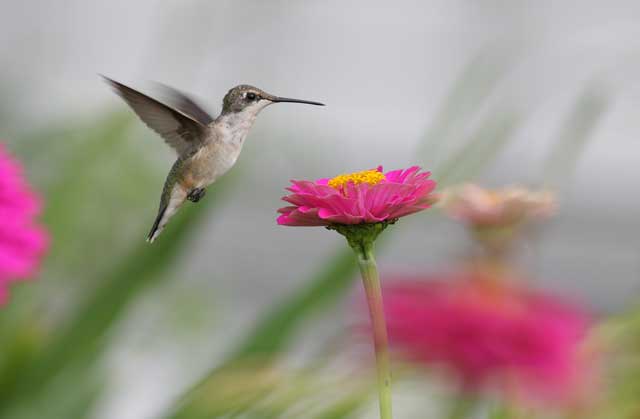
(251, 96)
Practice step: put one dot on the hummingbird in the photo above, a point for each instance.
(207, 148)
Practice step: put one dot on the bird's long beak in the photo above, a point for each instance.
(277, 99)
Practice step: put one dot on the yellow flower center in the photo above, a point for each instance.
(372, 177)
(494, 198)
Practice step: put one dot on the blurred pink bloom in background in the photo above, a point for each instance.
(502, 207)
(370, 196)
(22, 242)
(490, 334)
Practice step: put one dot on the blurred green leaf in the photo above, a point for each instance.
(100, 194)
(20, 348)
(574, 135)
(259, 390)
(500, 412)
(480, 149)
(345, 408)
(476, 83)
(461, 407)
(272, 333)
(70, 396)
(620, 370)
(277, 328)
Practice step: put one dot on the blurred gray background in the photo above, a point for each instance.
(534, 72)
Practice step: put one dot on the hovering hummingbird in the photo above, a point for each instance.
(207, 148)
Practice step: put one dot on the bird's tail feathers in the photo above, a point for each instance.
(155, 230)
(167, 210)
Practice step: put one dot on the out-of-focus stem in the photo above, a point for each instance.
(462, 408)
(371, 281)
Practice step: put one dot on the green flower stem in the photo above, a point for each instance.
(371, 281)
(361, 238)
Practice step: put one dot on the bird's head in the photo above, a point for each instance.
(248, 98)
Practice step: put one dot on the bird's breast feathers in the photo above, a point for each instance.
(212, 161)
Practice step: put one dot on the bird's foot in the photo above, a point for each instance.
(196, 194)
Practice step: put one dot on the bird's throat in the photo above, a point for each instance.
(234, 127)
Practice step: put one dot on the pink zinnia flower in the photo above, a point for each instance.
(360, 206)
(481, 207)
(370, 196)
(490, 334)
(22, 242)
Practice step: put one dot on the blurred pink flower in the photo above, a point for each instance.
(490, 334)
(503, 207)
(22, 242)
(370, 196)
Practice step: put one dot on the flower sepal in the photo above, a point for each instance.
(362, 235)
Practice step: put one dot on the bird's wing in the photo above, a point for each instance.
(180, 130)
(186, 104)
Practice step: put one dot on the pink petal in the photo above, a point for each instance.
(22, 242)
(403, 192)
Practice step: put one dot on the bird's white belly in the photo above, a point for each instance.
(221, 164)
(212, 164)
(216, 158)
